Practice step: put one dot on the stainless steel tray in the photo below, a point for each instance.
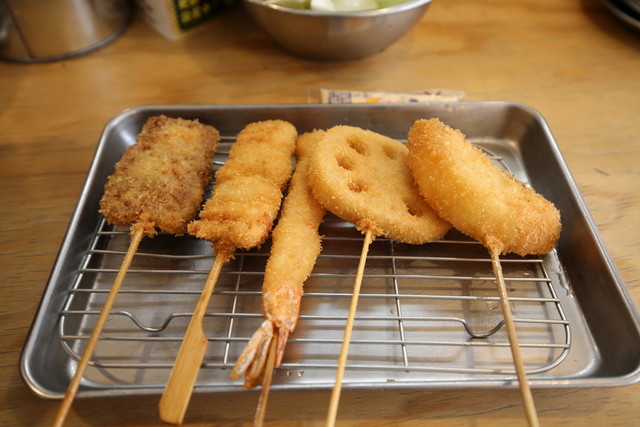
(419, 308)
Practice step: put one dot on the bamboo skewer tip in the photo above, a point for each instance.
(337, 388)
(523, 382)
(177, 393)
(137, 233)
(261, 408)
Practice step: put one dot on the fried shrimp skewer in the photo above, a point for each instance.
(363, 177)
(294, 249)
(240, 214)
(488, 204)
(158, 184)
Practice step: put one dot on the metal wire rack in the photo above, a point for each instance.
(427, 313)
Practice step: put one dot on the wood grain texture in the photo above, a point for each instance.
(572, 61)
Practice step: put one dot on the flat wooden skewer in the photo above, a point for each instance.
(137, 232)
(337, 388)
(525, 390)
(177, 394)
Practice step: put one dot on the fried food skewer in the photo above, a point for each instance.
(295, 245)
(332, 413)
(72, 389)
(240, 214)
(488, 204)
(158, 184)
(363, 178)
(294, 249)
(176, 396)
(525, 390)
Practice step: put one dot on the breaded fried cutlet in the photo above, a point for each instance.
(160, 180)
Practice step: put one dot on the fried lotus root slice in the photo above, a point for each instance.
(159, 182)
(363, 177)
(481, 200)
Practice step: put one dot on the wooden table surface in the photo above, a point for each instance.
(573, 61)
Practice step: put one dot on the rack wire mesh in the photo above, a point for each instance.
(427, 313)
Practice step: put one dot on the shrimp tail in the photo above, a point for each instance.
(253, 357)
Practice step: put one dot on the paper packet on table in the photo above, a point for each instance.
(176, 18)
(336, 96)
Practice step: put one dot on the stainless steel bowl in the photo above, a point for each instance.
(336, 35)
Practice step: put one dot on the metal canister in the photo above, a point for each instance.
(47, 30)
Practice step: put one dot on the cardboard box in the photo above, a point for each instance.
(176, 18)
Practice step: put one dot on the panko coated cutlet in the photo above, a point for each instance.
(159, 181)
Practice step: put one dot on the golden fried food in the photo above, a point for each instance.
(247, 193)
(363, 177)
(294, 250)
(481, 200)
(296, 244)
(160, 180)
(258, 151)
(240, 213)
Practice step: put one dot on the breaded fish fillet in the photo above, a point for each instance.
(481, 200)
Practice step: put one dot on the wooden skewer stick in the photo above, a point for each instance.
(525, 391)
(337, 388)
(63, 411)
(177, 394)
(261, 409)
